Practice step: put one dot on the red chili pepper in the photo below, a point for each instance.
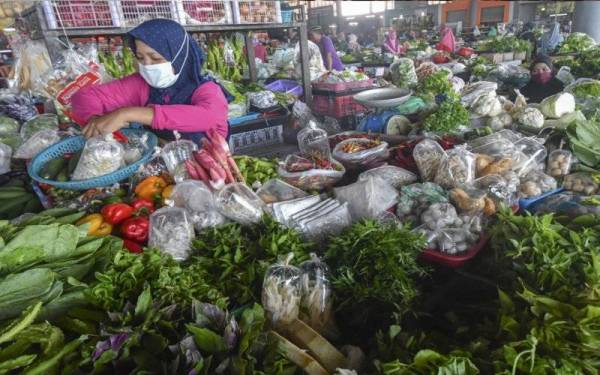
(142, 207)
(116, 213)
(133, 246)
(136, 229)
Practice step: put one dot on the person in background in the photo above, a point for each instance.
(392, 44)
(492, 32)
(330, 58)
(447, 41)
(543, 82)
(353, 45)
(315, 61)
(551, 39)
(169, 92)
(340, 42)
(260, 51)
(529, 35)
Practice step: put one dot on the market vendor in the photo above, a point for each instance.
(543, 83)
(447, 41)
(169, 92)
(353, 46)
(330, 58)
(392, 44)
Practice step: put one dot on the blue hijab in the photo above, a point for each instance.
(167, 37)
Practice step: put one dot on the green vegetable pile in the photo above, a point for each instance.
(584, 141)
(591, 88)
(435, 84)
(447, 118)
(118, 66)
(256, 169)
(505, 44)
(216, 60)
(576, 42)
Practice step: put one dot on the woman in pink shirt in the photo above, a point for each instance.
(169, 92)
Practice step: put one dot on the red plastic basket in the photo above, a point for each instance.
(343, 86)
(82, 13)
(336, 106)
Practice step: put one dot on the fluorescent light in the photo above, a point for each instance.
(380, 16)
(370, 16)
(9, 29)
(349, 18)
(422, 14)
(353, 24)
(333, 26)
(558, 15)
(402, 16)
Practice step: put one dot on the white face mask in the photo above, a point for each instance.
(162, 75)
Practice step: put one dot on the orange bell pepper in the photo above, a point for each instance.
(150, 186)
(166, 194)
(97, 225)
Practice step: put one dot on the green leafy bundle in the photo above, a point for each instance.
(591, 88)
(235, 257)
(447, 118)
(576, 42)
(584, 141)
(435, 84)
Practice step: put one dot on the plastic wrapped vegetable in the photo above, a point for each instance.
(176, 152)
(8, 126)
(530, 118)
(395, 176)
(281, 293)
(37, 143)
(361, 153)
(501, 121)
(580, 183)
(558, 105)
(308, 175)
(317, 302)
(530, 154)
(313, 141)
(5, 155)
(415, 198)
(472, 201)
(403, 72)
(277, 191)
(484, 104)
(322, 221)
(536, 183)
(199, 202)
(367, 199)
(428, 155)
(439, 215)
(171, 231)
(456, 169)
(101, 155)
(47, 121)
(559, 163)
(239, 203)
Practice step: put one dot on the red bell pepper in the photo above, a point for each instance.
(133, 246)
(136, 229)
(142, 207)
(116, 213)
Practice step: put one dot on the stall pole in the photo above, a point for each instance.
(250, 54)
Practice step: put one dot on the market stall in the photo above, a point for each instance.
(454, 229)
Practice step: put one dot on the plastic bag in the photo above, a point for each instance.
(559, 163)
(32, 61)
(428, 155)
(367, 199)
(239, 203)
(313, 179)
(474, 90)
(262, 99)
(172, 232)
(439, 215)
(531, 153)
(360, 153)
(5, 155)
(415, 198)
(276, 191)
(281, 293)
(403, 72)
(101, 155)
(456, 169)
(47, 121)
(331, 222)
(199, 202)
(580, 182)
(317, 299)
(8, 126)
(536, 183)
(470, 201)
(37, 143)
(135, 147)
(395, 176)
(283, 211)
(313, 141)
(176, 152)
(498, 188)
(17, 106)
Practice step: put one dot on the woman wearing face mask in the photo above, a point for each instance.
(169, 93)
(543, 83)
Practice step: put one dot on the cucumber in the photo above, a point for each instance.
(14, 207)
(58, 212)
(63, 175)
(33, 206)
(73, 162)
(52, 168)
(14, 182)
(11, 193)
(70, 219)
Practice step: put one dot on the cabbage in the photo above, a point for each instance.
(531, 118)
(556, 106)
(8, 126)
(484, 104)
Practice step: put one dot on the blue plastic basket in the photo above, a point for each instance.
(286, 86)
(286, 16)
(526, 204)
(74, 144)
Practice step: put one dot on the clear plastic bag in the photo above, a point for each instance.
(5, 155)
(428, 155)
(453, 241)
(262, 99)
(395, 176)
(135, 147)
(101, 155)
(276, 191)
(361, 153)
(199, 202)
(37, 143)
(8, 126)
(283, 211)
(47, 121)
(313, 141)
(456, 169)
(531, 153)
(17, 106)
(32, 61)
(439, 215)
(281, 292)
(474, 90)
(176, 152)
(580, 182)
(559, 163)
(468, 200)
(367, 199)
(415, 198)
(322, 225)
(172, 232)
(498, 189)
(403, 72)
(501, 136)
(536, 183)
(317, 299)
(313, 179)
(239, 203)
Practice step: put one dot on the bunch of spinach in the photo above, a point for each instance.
(447, 118)
(435, 84)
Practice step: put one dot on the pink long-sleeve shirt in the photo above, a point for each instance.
(207, 110)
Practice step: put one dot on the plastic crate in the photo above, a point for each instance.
(286, 86)
(343, 86)
(80, 14)
(253, 12)
(205, 12)
(134, 12)
(336, 105)
(455, 261)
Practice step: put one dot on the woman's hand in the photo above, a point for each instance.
(106, 124)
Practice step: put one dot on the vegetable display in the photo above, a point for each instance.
(447, 118)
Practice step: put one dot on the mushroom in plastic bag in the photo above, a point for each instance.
(239, 203)
(101, 155)
(199, 202)
(172, 232)
(281, 293)
(314, 141)
(37, 143)
(428, 155)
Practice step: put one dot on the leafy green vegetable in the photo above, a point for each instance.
(576, 42)
(589, 88)
(584, 140)
(435, 84)
(448, 118)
